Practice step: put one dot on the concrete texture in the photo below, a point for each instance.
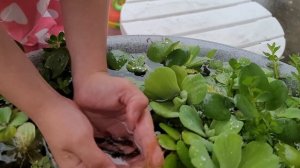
(288, 14)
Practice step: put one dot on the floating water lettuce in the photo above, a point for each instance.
(196, 87)
(159, 51)
(116, 59)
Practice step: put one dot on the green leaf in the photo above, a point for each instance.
(7, 134)
(288, 154)
(5, 113)
(165, 110)
(194, 52)
(180, 73)
(212, 53)
(170, 131)
(191, 119)
(116, 59)
(228, 150)
(217, 106)
(291, 113)
(24, 136)
(171, 161)
(258, 154)
(223, 78)
(196, 87)
(19, 119)
(57, 61)
(252, 81)
(189, 138)
(177, 57)
(137, 65)
(290, 130)
(245, 106)
(279, 92)
(231, 126)
(180, 100)
(199, 156)
(159, 51)
(183, 153)
(161, 84)
(166, 142)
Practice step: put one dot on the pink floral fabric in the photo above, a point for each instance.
(30, 22)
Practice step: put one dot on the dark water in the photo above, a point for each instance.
(288, 14)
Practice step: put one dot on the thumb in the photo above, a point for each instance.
(92, 156)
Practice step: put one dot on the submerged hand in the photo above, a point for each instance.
(117, 109)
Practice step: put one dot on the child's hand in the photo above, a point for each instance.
(118, 109)
(69, 135)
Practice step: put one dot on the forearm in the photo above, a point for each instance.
(86, 28)
(20, 81)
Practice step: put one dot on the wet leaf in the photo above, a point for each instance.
(199, 156)
(159, 51)
(161, 84)
(228, 150)
(116, 59)
(217, 106)
(231, 126)
(189, 138)
(177, 57)
(137, 65)
(191, 119)
(196, 87)
(258, 154)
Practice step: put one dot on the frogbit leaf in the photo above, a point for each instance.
(217, 106)
(171, 161)
(24, 136)
(289, 154)
(165, 110)
(170, 131)
(19, 119)
(199, 155)
(279, 92)
(196, 87)
(190, 119)
(183, 153)
(161, 84)
(228, 150)
(258, 154)
(177, 57)
(231, 126)
(137, 65)
(245, 106)
(159, 51)
(166, 142)
(189, 138)
(57, 62)
(291, 113)
(116, 59)
(5, 113)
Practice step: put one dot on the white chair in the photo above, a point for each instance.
(238, 23)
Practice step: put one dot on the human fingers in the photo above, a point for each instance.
(145, 137)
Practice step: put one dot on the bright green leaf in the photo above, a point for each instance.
(5, 113)
(289, 154)
(170, 131)
(245, 106)
(189, 138)
(290, 130)
(177, 57)
(161, 84)
(159, 51)
(7, 134)
(171, 161)
(199, 156)
(19, 119)
(228, 150)
(180, 72)
(258, 155)
(165, 110)
(137, 65)
(196, 87)
(231, 126)
(191, 119)
(166, 142)
(183, 154)
(291, 113)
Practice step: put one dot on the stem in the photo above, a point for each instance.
(276, 69)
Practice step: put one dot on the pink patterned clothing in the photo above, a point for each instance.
(31, 21)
